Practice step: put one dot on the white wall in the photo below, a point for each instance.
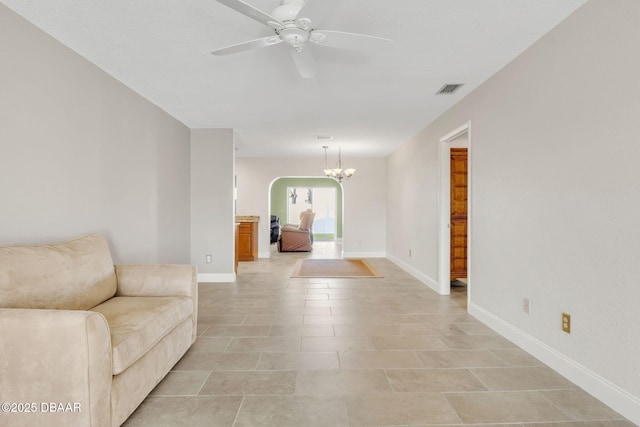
(212, 219)
(364, 198)
(412, 209)
(81, 153)
(555, 177)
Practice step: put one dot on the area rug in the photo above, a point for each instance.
(334, 268)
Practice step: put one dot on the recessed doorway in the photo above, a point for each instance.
(455, 191)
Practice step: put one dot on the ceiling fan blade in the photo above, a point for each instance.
(304, 62)
(252, 44)
(349, 40)
(317, 10)
(251, 12)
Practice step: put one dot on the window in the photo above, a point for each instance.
(322, 201)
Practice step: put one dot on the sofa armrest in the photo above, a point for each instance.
(159, 280)
(58, 364)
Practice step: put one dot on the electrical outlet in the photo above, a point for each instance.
(566, 323)
(209, 259)
(526, 305)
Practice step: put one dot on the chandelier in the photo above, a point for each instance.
(336, 173)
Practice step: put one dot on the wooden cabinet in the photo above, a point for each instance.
(247, 240)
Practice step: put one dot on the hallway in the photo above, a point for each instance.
(276, 351)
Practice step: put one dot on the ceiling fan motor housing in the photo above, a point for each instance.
(294, 36)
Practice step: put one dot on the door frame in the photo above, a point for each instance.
(444, 251)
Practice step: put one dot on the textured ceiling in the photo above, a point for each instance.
(369, 102)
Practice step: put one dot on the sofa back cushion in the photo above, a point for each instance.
(74, 275)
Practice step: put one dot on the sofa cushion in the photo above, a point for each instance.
(73, 275)
(138, 323)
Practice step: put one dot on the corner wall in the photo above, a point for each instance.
(212, 219)
(555, 178)
(82, 153)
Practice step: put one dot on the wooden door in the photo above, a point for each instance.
(458, 220)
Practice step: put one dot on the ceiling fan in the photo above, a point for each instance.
(294, 23)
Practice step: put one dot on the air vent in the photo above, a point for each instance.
(323, 137)
(449, 88)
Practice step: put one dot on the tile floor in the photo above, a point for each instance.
(276, 351)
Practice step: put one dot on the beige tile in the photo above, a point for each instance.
(476, 342)
(516, 357)
(475, 329)
(237, 331)
(408, 343)
(356, 359)
(212, 317)
(305, 311)
(298, 361)
(579, 405)
(268, 333)
(265, 344)
(521, 378)
(212, 361)
(196, 411)
(179, 383)
(322, 344)
(292, 411)
(458, 359)
(504, 407)
(341, 382)
(400, 409)
(399, 329)
(233, 383)
(433, 380)
(209, 344)
(302, 331)
(274, 320)
(332, 319)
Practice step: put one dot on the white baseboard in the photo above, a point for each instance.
(618, 399)
(264, 254)
(216, 277)
(433, 284)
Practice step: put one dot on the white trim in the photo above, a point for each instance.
(265, 254)
(433, 284)
(216, 277)
(618, 399)
(459, 131)
(444, 255)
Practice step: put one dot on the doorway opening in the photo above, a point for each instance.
(455, 197)
(288, 196)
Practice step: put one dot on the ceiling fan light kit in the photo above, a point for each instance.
(294, 23)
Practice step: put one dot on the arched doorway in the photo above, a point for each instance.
(288, 196)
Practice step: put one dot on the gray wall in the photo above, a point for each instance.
(554, 207)
(81, 153)
(212, 218)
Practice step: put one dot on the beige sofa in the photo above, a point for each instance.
(83, 342)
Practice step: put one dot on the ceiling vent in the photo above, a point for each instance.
(449, 88)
